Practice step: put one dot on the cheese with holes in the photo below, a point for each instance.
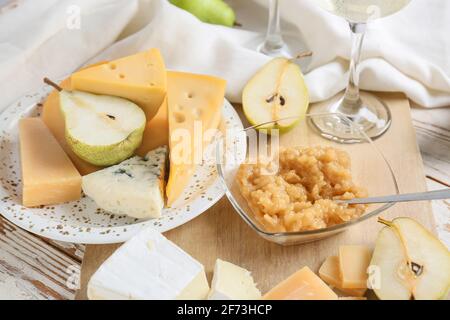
(195, 107)
(156, 132)
(140, 78)
(353, 264)
(231, 282)
(54, 120)
(302, 285)
(134, 187)
(329, 272)
(48, 175)
(149, 267)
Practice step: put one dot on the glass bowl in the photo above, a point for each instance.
(369, 167)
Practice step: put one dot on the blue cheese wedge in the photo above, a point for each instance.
(231, 282)
(149, 267)
(134, 187)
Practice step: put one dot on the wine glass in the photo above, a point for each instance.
(368, 112)
(276, 43)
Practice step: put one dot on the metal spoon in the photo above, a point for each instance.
(419, 196)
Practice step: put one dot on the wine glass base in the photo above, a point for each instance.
(373, 119)
(277, 52)
(289, 48)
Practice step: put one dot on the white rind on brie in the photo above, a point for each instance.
(149, 267)
(134, 187)
(231, 282)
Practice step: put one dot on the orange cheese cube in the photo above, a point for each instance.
(329, 272)
(54, 120)
(353, 264)
(156, 132)
(302, 285)
(48, 175)
(140, 78)
(194, 101)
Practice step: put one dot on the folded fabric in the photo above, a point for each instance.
(407, 52)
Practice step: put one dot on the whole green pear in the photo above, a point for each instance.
(209, 11)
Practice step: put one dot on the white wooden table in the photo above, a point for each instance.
(433, 136)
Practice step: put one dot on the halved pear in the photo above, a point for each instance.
(102, 130)
(275, 92)
(412, 262)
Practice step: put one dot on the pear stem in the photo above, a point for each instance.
(385, 222)
(52, 84)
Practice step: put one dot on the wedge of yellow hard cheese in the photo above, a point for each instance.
(330, 273)
(353, 264)
(194, 108)
(140, 78)
(48, 175)
(156, 132)
(302, 285)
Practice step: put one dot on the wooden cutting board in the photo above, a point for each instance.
(220, 232)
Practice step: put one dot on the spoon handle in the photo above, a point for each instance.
(419, 196)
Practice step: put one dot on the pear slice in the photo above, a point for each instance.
(428, 258)
(102, 130)
(411, 261)
(387, 258)
(275, 92)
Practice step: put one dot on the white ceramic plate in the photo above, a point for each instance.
(82, 221)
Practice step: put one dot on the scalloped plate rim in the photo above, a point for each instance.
(31, 100)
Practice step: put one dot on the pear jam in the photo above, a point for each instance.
(299, 195)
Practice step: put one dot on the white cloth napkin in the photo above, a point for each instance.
(408, 52)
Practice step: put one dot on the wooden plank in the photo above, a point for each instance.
(441, 212)
(34, 268)
(73, 250)
(220, 233)
(433, 136)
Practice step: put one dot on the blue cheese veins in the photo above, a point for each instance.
(134, 187)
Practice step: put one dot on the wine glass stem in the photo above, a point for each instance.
(274, 40)
(351, 103)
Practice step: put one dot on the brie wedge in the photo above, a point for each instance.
(134, 187)
(149, 267)
(231, 282)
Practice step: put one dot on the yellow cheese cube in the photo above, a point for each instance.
(353, 264)
(302, 285)
(193, 101)
(140, 78)
(54, 120)
(156, 132)
(329, 272)
(48, 175)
